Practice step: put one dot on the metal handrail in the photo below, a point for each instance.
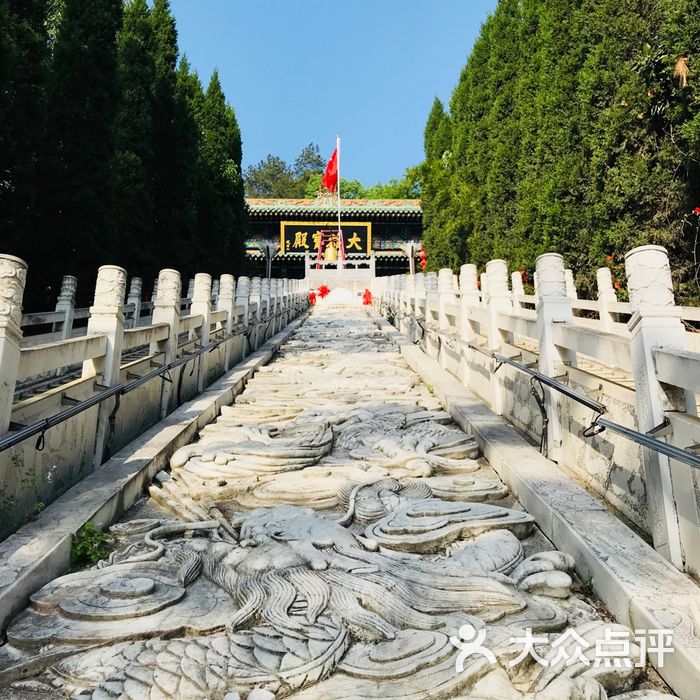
(41, 426)
(551, 383)
(599, 423)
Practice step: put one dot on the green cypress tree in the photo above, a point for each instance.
(134, 158)
(189, 104)
(23, 73)
(174, 148)
(77, 222)
(222, 204)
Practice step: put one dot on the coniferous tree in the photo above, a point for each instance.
(23, 66)
(221, 207)
(134, 158)
(574, 128)
(77, 185)
(174, 147)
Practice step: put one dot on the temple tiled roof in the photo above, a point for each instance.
(403, 208)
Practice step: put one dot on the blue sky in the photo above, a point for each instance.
(300, 71)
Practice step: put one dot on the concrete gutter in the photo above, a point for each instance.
(637, 585)
(40, 551)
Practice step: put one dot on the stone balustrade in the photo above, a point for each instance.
(635, 357)
(114, 342)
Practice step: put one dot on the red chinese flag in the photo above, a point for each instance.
(330, 177)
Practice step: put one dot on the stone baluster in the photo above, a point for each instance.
(134, 299)
(516, 283)
(446, 297)
(283, 302)
(498, 300)
(266, 310)
(570, 284)
(432, 303)
(154, 293)
(201, 306)
(535, 284)
(446, 292)
(484, 287)
(13, 278)
(256, 299)
(66, 304)
(225, 302)
(190, 288)
(553, 306)
(166, 310)
(407, 321)
(469, 299)
(656, 323)
(606, 297)
(417, 316)
(106, 319)
(214, 291)
(243, 298)
(401, 281)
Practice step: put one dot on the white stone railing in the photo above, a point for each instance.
(40, 376)
(637, 358)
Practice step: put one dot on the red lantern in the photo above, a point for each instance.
(323, 291)
(423, 258)
(423, 264)
(312, 298)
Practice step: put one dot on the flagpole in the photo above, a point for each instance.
(337, 146)
(341, 247)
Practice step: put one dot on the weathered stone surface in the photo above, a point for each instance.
(320, 542)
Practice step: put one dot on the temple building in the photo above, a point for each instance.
(284, 231)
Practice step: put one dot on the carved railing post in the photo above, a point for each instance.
(66, 304)
(201, 306)
(166, 310)
(13, 278)
(498, 300)
(190, 293)
(406, 307)
(606, 296)
(225, 302)
(265, 302)
(516, 283)
(107, 319)
(283, 302)
(469, 298)
(417, 317)
(255, 317)
(656, 323)
(214, 292)
(432, 299)
(134, 298)
(446, 297)
(154, 293)
(243, 297)
(553, 306)
(570, 284)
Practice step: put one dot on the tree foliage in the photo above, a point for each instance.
(274, 177)
(110, 151)
(574, 127)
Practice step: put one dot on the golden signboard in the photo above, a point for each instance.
(304, 236)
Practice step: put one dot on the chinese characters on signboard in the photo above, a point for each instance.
(305, 236)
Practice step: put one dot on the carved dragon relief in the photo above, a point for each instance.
(377, 540)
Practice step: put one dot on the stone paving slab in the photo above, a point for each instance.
(637, 585)
(40, 550)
